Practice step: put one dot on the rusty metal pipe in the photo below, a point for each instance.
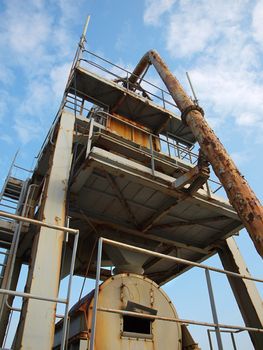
(239, 193)
(140, 68)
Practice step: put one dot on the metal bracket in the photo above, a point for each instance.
(196, 177)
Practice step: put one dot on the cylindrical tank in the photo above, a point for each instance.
(129, 292)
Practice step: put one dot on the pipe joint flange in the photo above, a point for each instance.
(189, 109)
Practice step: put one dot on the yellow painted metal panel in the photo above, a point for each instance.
(129, 130)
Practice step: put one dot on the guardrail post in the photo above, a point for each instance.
(91, 126)
(213, 308)
(96, 294)
(152, 154)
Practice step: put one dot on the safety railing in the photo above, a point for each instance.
(230, 332)
(155, 146)
(8, 292)
(217, 327)
(105, 68)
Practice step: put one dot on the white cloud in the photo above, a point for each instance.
(59, 76)
(37, 99)
(215, 41)
(154, 9)
(194, 26)
(27, 129)
(7, 76)
(257, 23)
(35, 38)
(6, 138)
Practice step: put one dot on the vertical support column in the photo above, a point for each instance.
(91, 126)
(245, 291)
(6, 311)
(36, 327)
(96, 296)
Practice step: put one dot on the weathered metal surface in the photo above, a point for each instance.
(115, 293)
(245, 291)
(130, 130)
(195, 178)
(106, 93)
(6, 312)
(238, 191)
(38, 332)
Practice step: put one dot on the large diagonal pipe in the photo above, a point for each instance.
(239, 193)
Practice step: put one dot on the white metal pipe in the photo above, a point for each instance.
(178, 260)
(31, 296)
(71, 272)
(213, 308)
(38, 223)
(96, 294)
(179, 320)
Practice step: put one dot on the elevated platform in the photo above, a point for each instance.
(114, 193)
(112, 96)
(118, 198)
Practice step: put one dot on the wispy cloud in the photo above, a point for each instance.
(35, 42)
(6, 138)
(27, 129)
(257, 23)
(154, 9)
(221, 45)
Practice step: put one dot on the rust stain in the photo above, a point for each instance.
(239, 193)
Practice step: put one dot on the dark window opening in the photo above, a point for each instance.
(137, 325)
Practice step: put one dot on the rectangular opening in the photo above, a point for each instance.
(137, 326)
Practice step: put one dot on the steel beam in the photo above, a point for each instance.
(6, 310)
(245, 291)
(200, 222)
(37, 323)
(121, 198)
(103, 221)
(161, 212)
(152, 261)
(195, 177)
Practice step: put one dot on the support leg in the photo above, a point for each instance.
(37, 323)
(6, 311)
(245, 291)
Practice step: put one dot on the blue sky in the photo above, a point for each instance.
(219, 42)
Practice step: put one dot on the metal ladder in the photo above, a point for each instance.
(11, 200)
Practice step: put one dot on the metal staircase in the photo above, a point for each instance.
(12, 200)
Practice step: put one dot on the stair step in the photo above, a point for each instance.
(13, 188)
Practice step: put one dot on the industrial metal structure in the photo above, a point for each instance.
(118, 194)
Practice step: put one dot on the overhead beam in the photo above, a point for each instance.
(167, 276)
(152, 261)
(121, 198)
(200, 222)
(103, 221)
(161, 212)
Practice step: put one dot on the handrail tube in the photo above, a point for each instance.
(239, 193)
(178, 260)
(133, 85)
(32, 296)
(178, 320)
(38, 223)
